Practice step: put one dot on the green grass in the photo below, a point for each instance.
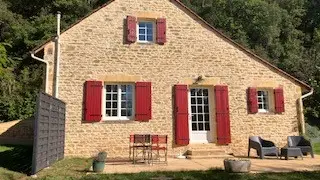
(77, 168)
(5, 148)
(316, 148)
(210, 174)
(15, 161)
(16, 158)
(69, 168)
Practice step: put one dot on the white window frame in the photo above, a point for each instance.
(119, 117)
(264, 110)
(153, 31)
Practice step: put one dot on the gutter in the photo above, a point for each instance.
(56, 91)
(57, 75)
(302, 121)
(47, 69)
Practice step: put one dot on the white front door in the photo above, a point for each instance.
(199, 116)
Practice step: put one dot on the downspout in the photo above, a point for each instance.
(56, 92)
(47, 69)
(302, 121)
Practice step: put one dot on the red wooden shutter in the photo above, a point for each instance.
(93, 101)
(131, 29)
(143, 101)
(279, 100)
(222, 114)
(161, 31)
(252, 100)
(181, 114)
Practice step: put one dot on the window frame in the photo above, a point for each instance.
(268, 101)
(118, 117)
(153, 31)
(209, 113)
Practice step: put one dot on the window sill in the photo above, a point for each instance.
(117, 121)
(114, 122)
(146, 42)
(266, 113)
(109, 122)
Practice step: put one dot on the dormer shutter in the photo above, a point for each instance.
(279, 100)
(131, 29)
(161, 31)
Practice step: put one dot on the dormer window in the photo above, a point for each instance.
(145, 31)
(263, 101)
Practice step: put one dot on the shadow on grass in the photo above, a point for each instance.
(17, 158)
(214, 174)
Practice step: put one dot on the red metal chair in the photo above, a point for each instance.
(159, 143)
(139, 145)
(131, 144)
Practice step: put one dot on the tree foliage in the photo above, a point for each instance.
(286, 32)
(23, 25)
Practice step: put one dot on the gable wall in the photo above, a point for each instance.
(94, 49)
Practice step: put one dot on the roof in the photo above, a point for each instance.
(219, 33)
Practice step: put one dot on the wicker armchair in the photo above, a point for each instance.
(300, 142)
(263, 147)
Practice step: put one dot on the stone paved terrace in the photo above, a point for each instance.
(257, 165)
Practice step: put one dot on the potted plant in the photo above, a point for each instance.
(237, 165)
(99, 161)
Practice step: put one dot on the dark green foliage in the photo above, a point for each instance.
(24, 25)
(287, 32)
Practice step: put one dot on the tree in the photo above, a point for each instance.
(286, 32)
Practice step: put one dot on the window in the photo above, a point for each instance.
(145, 31)
(263, 101)
(118, 103)
(200, 109)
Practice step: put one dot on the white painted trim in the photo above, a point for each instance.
(263, 110)
(209, 139)
(119, 117)
(153, 32)
(47, 70)
(56, 85)
(302, 121)
(189, 116)
(268, 101)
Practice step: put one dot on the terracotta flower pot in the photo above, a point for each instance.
(237, 165)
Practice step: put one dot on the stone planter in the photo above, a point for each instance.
(237, 165)
(98, 166)
(99, 162)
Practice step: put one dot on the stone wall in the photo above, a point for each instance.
(17, 132)
(95, 49)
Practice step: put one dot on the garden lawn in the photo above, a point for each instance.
(316, 148)
(15, 161)
(77, 168)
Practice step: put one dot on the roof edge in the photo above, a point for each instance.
(246, 50)
(38, 48)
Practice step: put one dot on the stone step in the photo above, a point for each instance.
(210, 157)
(206, 152)
(208, 146)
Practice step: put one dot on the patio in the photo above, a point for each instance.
(257, 165)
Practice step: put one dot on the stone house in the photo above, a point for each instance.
(154, 66)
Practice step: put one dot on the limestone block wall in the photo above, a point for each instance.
(95, 49)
